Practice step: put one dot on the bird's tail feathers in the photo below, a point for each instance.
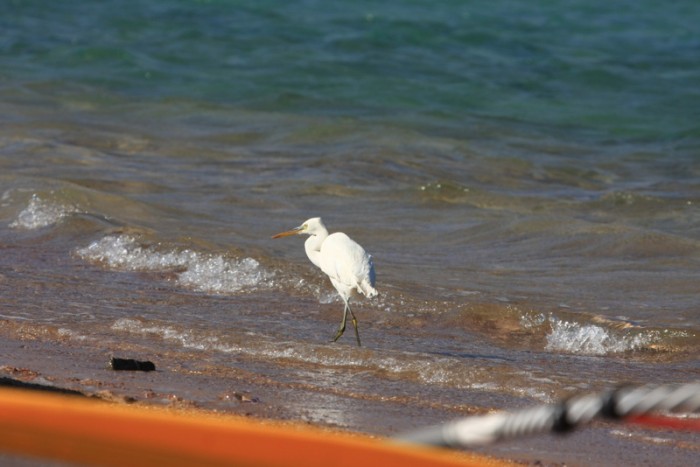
(367, 290)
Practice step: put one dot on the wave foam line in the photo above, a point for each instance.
(426, 369)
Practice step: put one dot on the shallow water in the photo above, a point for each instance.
(526, 247)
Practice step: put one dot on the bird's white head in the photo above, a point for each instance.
(313, 226)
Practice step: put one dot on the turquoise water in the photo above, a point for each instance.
(526, 176)
(626, 70)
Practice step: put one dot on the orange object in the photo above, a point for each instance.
(73, 429)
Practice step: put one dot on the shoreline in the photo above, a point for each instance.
(189, 388)
(32, 371)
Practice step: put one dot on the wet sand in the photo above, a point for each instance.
(180, 386)
(74, 371)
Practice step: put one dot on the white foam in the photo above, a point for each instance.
(124, 252)
(6, 197)
(327, 297)
(591, 339)
(532, 320)
(40, 213)
(70, 334)
(220, 275)
(198, 271)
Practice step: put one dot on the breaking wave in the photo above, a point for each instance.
(199, 271)
(592, 339)
(41, 213)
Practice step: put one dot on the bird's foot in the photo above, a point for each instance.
(340, 332)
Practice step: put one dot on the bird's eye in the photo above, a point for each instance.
(305, 226)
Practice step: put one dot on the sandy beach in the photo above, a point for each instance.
(78, 371)
(134, 390)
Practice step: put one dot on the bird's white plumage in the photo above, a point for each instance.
(343, 260)
(347, 265)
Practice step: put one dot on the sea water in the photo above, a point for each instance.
(525, 175)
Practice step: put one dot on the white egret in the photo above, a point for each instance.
(346, 263)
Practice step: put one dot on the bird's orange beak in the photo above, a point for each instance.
(288, 233)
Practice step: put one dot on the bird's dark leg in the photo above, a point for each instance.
(341, 329)
(354, 323)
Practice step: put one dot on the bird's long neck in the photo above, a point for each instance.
(312, 245)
